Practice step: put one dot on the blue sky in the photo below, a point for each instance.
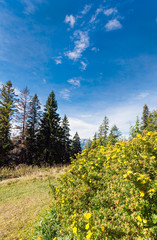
(99, 57)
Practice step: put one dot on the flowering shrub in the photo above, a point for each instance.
(110, 192)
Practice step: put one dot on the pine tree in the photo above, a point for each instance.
(49, 138)
(66, 142)
(94, 142)
(76, 144)
(152, 126)
(134, 130)
(145, 117)
(32, 130)
(103, 132)
(7, 108)
(114, 135)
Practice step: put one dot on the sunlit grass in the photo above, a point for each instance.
(23, 199)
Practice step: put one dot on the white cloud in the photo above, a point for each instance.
(44, 80)
(58, 60)
(81, 44)
(74, 82)
(113, 25)
(142, 95)
(94, 17)
(84, 65)
(30, 7)
(83, 128)
(65, 94)
(94, 49)
(109, 11)
(70, 19)
(86, 9)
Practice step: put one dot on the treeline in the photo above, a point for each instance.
(31, 136)
(106, 135)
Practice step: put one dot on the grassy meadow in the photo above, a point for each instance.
(24, 196)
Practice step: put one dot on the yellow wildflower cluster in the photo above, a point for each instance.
(108, 188)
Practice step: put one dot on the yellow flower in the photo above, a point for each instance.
(74, 230)
(55, 238)
(39, 238)
(144, 220)
(89, 235)
(87, 226)
(62, 201)
(83, 176)
(143, 181)
(102, 228)
(151, 190)
(87, 215)
(125, 175)
(139, 218)
(142, 193)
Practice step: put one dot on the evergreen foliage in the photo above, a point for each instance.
(66, 142)
(76, 144)
(32, 130)
(103, 131)
(50, 134)
(134, 130)
(7, 108)
(145, 117)
(114, 135)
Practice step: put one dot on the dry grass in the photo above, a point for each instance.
(22, 200)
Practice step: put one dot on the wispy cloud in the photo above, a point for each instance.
(44, 80)
(65, 94)
(142, 95)
(110, 11)
(94, 49)
(84, 128)
(113, 25)
(29, 7)
(81, 44)
(94, 17)
(58, 60)
(86, 9)
(83, 65)
(74, 81)
(70, 19)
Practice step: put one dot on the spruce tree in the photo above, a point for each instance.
(114, 135)
(152, 126)
(103, 131)
(134, 130)
(49, 138)
(66, 142)
(32, 130)
(76, 144)
(7, 108)
(145, 117)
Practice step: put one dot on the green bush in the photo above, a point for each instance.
(110, 192)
